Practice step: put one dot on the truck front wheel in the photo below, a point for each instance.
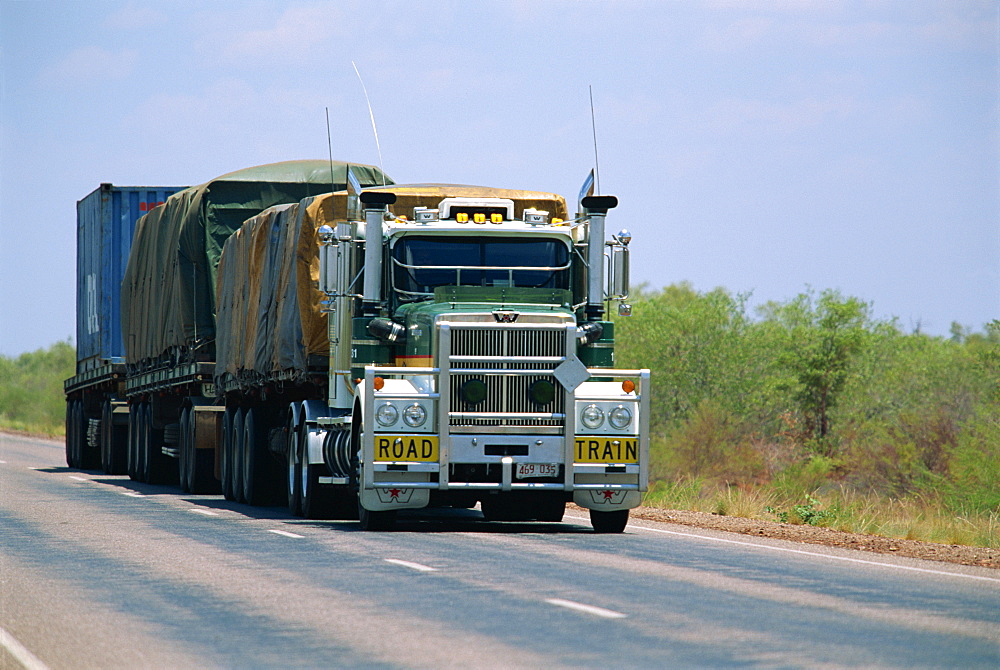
(609, 522)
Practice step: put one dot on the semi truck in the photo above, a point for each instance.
(382, 347)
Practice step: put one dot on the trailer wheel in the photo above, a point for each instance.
(256, 483)
(226, 455)
(133, 441)
(72, 434)
(293, 470)
(236, 464)
(114, 442)
(609, 522)
(183, 448)
(201, 462)
(159, 468)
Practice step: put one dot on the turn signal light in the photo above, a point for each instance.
(628, 386)
(378, 383)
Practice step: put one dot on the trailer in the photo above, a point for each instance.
(95, 399)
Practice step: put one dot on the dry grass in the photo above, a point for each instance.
(915, 518)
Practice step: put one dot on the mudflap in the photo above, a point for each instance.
(607, 500)
(394, 498)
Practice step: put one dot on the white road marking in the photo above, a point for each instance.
(132, 494)
(20, 652)
(412, 566)
(79, 479)
(203, 511)
(286, 534)
(806, 553)
(588, 609)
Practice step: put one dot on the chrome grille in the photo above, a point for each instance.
(498, 349)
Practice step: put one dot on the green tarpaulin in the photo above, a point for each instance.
(168, 293)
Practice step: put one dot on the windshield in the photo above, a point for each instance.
(422, 263)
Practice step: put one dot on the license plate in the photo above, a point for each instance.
(420, 448)
(526, 470)
(601, 449)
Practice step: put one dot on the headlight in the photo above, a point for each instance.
(414, 415)
(386, 415)
(620, 417)
(592, 416)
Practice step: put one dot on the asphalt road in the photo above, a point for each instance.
(100, 572)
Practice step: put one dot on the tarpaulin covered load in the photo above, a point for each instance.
(168, 292)
(269, 319)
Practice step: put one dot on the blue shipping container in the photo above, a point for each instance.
(105, 222)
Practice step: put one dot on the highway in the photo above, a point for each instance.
(98, 571)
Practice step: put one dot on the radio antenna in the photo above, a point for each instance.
(593, 125)
(372, 115)
(329, 145)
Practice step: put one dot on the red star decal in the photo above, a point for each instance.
(394, 493)
(608, 495)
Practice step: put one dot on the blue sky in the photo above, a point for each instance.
(764, 147)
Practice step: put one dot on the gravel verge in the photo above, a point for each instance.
(948, 553)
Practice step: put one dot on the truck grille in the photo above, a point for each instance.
(505, 394)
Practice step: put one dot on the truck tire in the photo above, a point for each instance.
(158, 467)
(226, 462)
(236, 463)
(133, 450)
(317, 502)
(184, 449)
(71, 434)
(293, 469)
(257, 487)
(375, 520)
(609, 522)
(114, 442)
(201, 462)
(90, 457)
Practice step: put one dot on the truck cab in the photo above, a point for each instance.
(480, 366)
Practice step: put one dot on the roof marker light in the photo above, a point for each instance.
(496, 218)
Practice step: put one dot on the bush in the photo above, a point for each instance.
(31, 389)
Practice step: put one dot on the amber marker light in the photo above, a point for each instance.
(628, 385)
(479, 217)
(462, 217)
(496, 218)
(378, 383)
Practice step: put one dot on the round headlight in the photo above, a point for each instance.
(620, 417)
(387, 415)
(414, 415)
(474, 391)
(592, 416)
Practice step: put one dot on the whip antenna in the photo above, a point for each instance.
(593, 125)
(372, 115)
(329, 145)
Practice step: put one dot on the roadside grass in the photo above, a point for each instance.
(47, 429)
(913, 518)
